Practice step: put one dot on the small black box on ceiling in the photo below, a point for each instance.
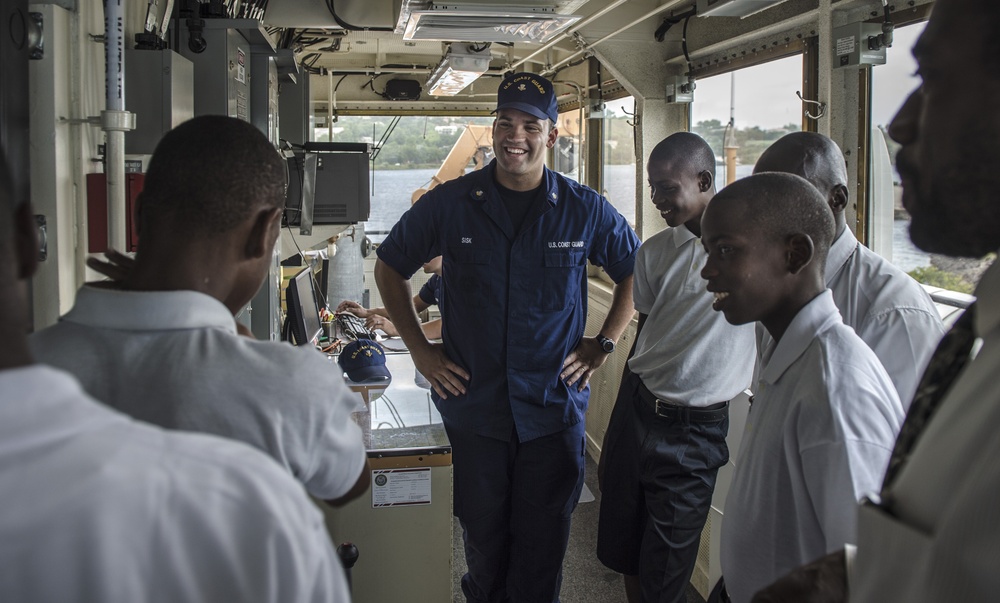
(402, 90)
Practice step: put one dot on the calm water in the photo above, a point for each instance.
(904, 253)
(391, 191)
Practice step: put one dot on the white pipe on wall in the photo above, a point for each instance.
(114, 45)
(115, 121)
(77, 136)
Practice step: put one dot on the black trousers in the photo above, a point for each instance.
(659, 476)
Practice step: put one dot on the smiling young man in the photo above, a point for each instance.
(510, 378)
(825, 414)
(931, 535)
(667, 436)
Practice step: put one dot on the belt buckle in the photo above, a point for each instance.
(665, 405)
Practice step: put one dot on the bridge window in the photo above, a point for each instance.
(755, 105)
(619, 156)
(568, 155)
(411, 154)
(891, 84)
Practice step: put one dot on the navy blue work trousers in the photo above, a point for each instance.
(656, 491)
(514, 501)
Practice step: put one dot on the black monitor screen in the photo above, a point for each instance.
(341, 190)
(302, 322)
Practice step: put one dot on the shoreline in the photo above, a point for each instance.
(968, 269)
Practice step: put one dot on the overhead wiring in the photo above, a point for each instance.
(579, 61)
(690, 86)
(333, 11)
(371, 84)
(670, 21)
(684, 42)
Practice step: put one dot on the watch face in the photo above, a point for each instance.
(607, 345)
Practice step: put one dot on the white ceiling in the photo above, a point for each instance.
(375, 50)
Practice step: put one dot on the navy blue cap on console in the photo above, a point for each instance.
(363, 360)
(530, 93)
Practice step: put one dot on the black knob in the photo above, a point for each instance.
(348, 554)
(196, 43)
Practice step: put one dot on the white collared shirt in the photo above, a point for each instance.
(889, 310)
(818, 438)
(98, 507)
(687, 352)
(941, 540)
(172, 358)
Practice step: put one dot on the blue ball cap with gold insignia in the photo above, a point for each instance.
(364, 360)
(530, 93)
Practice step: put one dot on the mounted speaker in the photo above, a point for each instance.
(402, 90)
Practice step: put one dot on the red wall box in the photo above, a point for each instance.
(97, 211)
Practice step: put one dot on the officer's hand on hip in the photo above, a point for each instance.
(582, 362)
(445, 376)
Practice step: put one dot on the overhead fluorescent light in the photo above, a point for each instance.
(482, 22)
(459, 68)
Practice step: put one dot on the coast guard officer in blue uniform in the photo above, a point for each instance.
(510, 378)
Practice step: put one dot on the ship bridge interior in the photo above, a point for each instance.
(321, 63)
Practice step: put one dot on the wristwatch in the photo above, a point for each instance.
(607, 345)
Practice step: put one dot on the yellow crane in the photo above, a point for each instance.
(474, 144)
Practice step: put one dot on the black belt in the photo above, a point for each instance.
(696, 414)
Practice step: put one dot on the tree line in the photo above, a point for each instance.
(424, 141)
(751, 141)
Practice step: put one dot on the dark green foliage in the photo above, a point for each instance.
(935, 277)
(751, 141)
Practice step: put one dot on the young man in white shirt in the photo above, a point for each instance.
(98, 507)
(931, 535)
(161, 345)
(825, 415)
(667, 435)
